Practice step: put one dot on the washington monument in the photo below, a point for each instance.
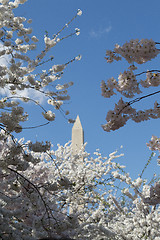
(77, 136)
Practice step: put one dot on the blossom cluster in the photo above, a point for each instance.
(154, 196)
(127, 85)
(123, 112)
(139, 51)
(152, 80)
(154, 145)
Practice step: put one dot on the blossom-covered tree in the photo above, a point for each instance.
(65, 197)
(138, 220)
(23, 73)
(56, 198)
(130, 84)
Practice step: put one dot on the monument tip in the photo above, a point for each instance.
(77, 123)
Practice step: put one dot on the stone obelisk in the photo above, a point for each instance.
(77, 136)
(77, 143)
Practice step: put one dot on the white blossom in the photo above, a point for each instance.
(49, 115)
(58, 68)
(79, 12)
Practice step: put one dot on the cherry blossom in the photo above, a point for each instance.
(134, 51)
(129, 84)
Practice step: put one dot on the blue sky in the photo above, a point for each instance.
(103, 24)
